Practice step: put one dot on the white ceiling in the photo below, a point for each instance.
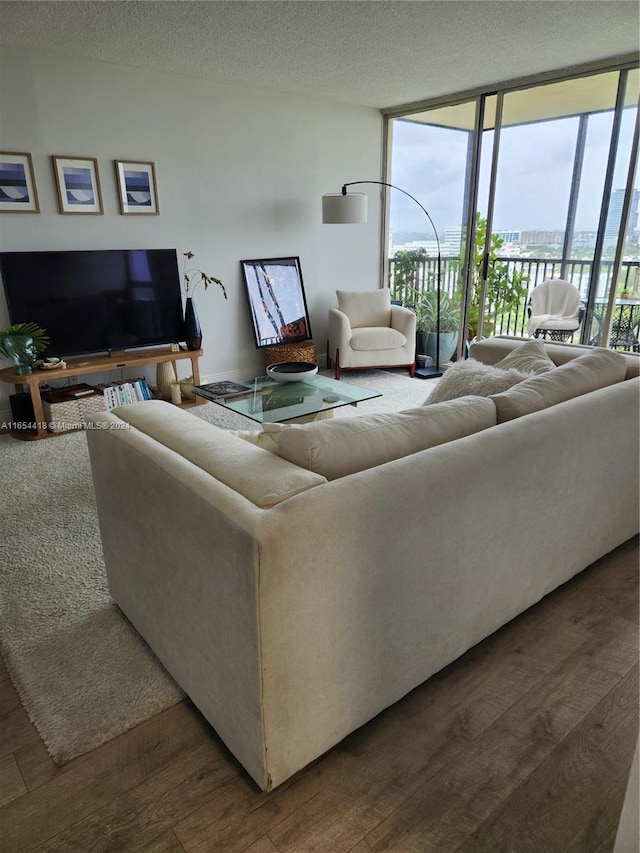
(374, 53)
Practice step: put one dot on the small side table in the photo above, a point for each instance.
(301, 351)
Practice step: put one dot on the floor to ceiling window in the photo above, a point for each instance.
(533, 182)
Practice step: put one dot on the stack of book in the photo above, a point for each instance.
(121, 393)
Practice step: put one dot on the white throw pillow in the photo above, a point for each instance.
(528, 358)
(473, 377)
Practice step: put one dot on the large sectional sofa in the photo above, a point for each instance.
(296, 589)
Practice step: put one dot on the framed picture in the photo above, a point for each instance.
(137, 187)
(17, 185)
(78, 184)
(276, 300)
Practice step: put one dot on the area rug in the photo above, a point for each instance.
(82, 672)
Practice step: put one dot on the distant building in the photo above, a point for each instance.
(614, 217)
(584, 238)
(512, 237)
(542, 238)
(452, 242)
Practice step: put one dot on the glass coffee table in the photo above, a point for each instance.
(268, 401)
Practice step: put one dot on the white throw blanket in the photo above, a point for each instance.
(557, 300)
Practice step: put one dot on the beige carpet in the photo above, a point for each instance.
(82, 672)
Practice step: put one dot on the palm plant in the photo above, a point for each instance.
(25, 330)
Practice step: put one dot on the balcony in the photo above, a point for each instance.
(404, 274)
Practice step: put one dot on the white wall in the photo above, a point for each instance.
(240, 174)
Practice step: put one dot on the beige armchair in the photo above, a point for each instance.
(367, 331)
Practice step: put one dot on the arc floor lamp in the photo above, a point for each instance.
(351, 209)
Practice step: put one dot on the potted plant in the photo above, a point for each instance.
(506, 289)
(22, 342)
(449, 324)
(424, 304)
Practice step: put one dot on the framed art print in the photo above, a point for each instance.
(78, 184)
(17, 185)
(276, 300)
(137, 187)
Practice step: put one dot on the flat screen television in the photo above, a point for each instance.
(96, 301)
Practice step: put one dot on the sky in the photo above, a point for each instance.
(533, 180)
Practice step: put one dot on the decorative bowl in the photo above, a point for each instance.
(292, 371)
(50, 363)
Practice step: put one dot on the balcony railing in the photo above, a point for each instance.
(404, 275)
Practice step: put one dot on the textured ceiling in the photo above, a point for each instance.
(374, 53)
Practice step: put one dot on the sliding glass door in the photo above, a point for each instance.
(523, 185)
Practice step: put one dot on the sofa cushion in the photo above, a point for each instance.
(262, 479)
(473, 377)
(529, 358)
(343, 446)
(492, 350)
(376, 338)
(588, 372)
(366, 307)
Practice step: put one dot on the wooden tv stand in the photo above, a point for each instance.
(94, 364)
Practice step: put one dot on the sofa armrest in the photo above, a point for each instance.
(339, 331)
(403, 320)
(260, 477)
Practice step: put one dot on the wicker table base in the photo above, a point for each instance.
(302, 351)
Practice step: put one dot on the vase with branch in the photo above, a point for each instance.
(192, 279)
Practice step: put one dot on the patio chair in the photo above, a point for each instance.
(555, 310)
(367, 331)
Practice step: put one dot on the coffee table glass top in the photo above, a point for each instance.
(268, 401)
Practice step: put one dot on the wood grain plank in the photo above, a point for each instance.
(16, 731)
(110, 770)
(596, 595)
(263, 845)
(556, 807)
(165, 843)
(424, 730)
(449, 807)
(9, 699)
(603, 821)
(227, 824)
(362, 847)
(11, 782)
(582, 678)
(154, 806)
(37, 766)
(352, 774)
(468, 697)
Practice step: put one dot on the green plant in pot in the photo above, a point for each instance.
(424, 304)
(506, 289)
(22, 342)
(449, 324)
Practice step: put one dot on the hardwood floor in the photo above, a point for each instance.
(523, 744)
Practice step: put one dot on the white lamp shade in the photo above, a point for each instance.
(350, 209)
